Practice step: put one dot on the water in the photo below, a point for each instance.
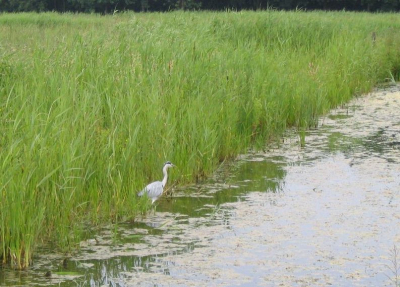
(327, 213)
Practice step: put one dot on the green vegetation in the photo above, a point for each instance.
(92, 106)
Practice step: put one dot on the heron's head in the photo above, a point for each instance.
(168, 164)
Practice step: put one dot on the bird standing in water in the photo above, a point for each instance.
(155, 189)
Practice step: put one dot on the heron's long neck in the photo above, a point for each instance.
(164, 181)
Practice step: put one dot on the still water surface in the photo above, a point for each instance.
(326, 213)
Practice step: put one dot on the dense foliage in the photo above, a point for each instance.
(91, 106)
(110, 6)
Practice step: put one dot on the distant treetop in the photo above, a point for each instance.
(110, 6)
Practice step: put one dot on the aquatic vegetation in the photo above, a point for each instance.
(90, 105)
(394, 267)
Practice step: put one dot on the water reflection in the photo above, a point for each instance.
(314, 214)
(144, 246)
(245, 177)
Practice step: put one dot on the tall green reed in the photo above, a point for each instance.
(92, 106)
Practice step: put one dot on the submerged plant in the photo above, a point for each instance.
(394, 267)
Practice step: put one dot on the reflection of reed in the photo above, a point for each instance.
(121, 94)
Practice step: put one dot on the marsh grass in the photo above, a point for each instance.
(92, 106)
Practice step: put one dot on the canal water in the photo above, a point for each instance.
(319, 212)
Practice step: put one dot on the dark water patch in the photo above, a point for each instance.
(339, 116)
(338, 142)
(245, 177)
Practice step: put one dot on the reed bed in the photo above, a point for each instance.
(91, 106)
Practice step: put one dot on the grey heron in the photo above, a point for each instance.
(155, 189)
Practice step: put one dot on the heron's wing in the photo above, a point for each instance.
(154, 189)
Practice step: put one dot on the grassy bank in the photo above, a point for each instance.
(92, 106)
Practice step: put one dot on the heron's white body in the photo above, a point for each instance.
(155, 189)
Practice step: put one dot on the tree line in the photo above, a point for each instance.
(111, 6)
